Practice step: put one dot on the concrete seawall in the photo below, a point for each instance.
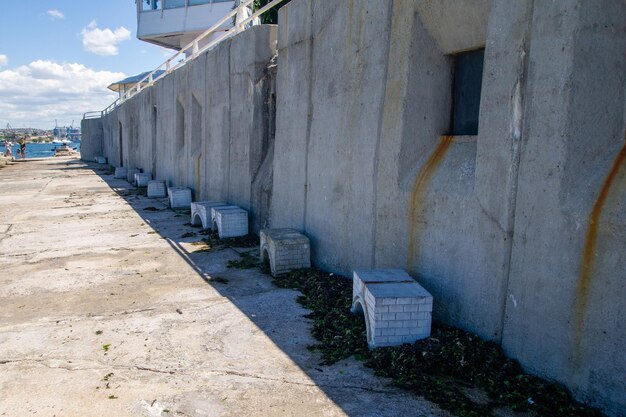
(519, 232)
(208, 126)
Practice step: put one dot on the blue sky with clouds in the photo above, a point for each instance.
(57, 57)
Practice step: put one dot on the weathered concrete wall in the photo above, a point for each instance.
(518, 232)
(566, 306)
(93, 136)
(208, 125)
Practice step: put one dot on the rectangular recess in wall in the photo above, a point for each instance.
(196, 124)
(467, 86)
(180, 125)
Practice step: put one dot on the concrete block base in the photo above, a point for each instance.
(397, 309)
(285, 249)
(201, 213)
(130, 174)
(179, 197)
(230, 221)
(157, 189)
(142, 179)
(120, 173)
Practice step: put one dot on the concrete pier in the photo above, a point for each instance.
(122, 318)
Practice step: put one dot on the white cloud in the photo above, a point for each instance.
(55, 14)
(103, 41)
(3, 60)
(37, 93)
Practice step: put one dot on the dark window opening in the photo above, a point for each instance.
(467, 84)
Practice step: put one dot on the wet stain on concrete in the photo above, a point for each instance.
(417, 198)
(589, 251)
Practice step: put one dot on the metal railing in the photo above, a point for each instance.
(194, 46)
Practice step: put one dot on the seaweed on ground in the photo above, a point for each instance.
(442, 368)
(246, 261)
(248, 241)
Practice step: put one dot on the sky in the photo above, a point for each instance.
(58, 56)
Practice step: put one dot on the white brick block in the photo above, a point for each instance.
(201, 214)
(179, 197)
(403, 331)
(120, 173)
(130, 174)
(101, 160)
(142, 179)
(426, 307)
(424, 323)
(402, 308)
(230, 221)
(387, 332)
(403, 316)
(389, 316)
(157, 189)
(287, 249)
(420, 316)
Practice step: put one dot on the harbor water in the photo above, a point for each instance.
(39, 150)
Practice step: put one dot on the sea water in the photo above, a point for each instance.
(39, 150)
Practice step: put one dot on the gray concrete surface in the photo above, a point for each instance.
(84, 265)
(93, 146)
(207, 126)
(518, 232)
(496, 226)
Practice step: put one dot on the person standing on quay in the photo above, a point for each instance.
(23, 148)
(7, 147)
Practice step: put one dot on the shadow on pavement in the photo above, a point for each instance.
(275, 311)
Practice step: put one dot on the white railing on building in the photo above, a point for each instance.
(195, 50)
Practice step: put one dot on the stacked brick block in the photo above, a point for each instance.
(285, 249)
(230, 221)
(130, 174)
(179, 197)
(397, 309)
(201, 214)
(120, 173)
(157, 189)
(142, 179)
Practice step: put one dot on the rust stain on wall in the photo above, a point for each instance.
(591, 240)
(418, 193)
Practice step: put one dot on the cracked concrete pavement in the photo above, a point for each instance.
(105, 310)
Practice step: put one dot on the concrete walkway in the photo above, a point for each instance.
(106, 311)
